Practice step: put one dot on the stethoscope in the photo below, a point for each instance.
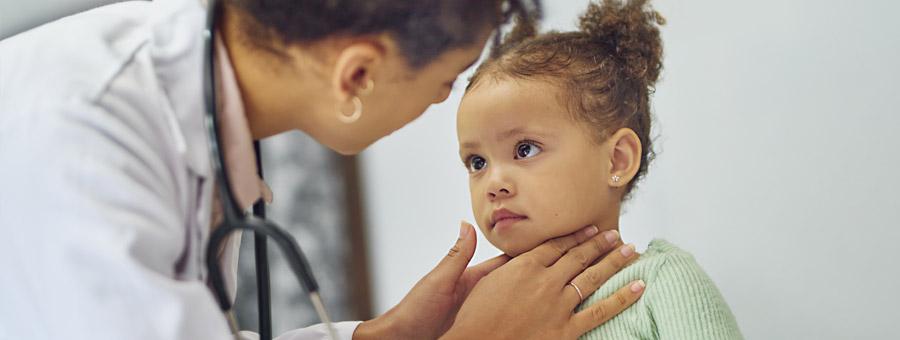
(235, 220)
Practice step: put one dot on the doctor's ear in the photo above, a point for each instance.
(626, 157)
(353, 69)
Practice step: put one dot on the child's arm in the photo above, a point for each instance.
(685, 304)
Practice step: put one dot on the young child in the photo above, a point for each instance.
(554, 130)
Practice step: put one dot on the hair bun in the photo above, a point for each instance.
(525, 28)
(631, 32)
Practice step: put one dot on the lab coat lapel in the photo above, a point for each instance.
(177, 31)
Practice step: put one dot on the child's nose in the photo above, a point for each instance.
(500, 192)
(500, 188)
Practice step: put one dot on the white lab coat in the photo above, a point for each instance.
(106, 182)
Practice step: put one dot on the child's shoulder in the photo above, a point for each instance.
(657, 263)
(661, 249)
(664, 261)
(684, 301)
(680, 301)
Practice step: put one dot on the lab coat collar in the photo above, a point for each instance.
(177, 37)
(177, 51)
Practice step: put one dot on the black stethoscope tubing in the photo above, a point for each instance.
(233, 220)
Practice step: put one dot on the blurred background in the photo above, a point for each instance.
(778, 168)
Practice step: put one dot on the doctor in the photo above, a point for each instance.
(106, 188)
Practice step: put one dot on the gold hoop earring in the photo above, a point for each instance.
(357, 112)
(370, 86)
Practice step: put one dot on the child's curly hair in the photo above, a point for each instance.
(607, 70)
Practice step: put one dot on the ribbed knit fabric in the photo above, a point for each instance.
(680, 301)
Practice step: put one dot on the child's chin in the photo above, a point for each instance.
(507, 249)
(513, 251)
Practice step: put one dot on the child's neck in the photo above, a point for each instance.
(608, 222)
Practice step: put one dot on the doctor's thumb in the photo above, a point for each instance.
(457, 259)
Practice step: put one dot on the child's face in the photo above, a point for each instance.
(534, 173)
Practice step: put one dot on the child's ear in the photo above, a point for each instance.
(626, 157)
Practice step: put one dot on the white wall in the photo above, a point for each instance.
(778, 166)
(20, 15)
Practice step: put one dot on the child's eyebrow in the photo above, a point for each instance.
(520, 131)
(469, 145)
(509, 133)
(505, 135)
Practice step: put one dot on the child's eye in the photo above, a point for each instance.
(476, 163)
(527, 149)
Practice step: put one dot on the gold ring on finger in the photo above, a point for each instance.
(581, 297)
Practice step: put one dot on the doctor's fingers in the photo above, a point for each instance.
(596, 275)
(577, 259)
(550, 251)
(480, 270)
(600, 312)
(475, 273)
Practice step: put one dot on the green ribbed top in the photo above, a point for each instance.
(680, 302)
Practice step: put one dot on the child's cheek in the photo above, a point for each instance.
(552, 200)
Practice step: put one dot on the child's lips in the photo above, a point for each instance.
(503, 218)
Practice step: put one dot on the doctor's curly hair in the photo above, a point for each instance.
(423, 29)
(606, 70)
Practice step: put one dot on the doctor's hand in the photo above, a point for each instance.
(531, 297)
(429, 309)
(526, 298)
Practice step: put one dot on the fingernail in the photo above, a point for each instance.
(627, 250)
(463, 230)
(612, 236)
(591, 231)
(637, 286)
